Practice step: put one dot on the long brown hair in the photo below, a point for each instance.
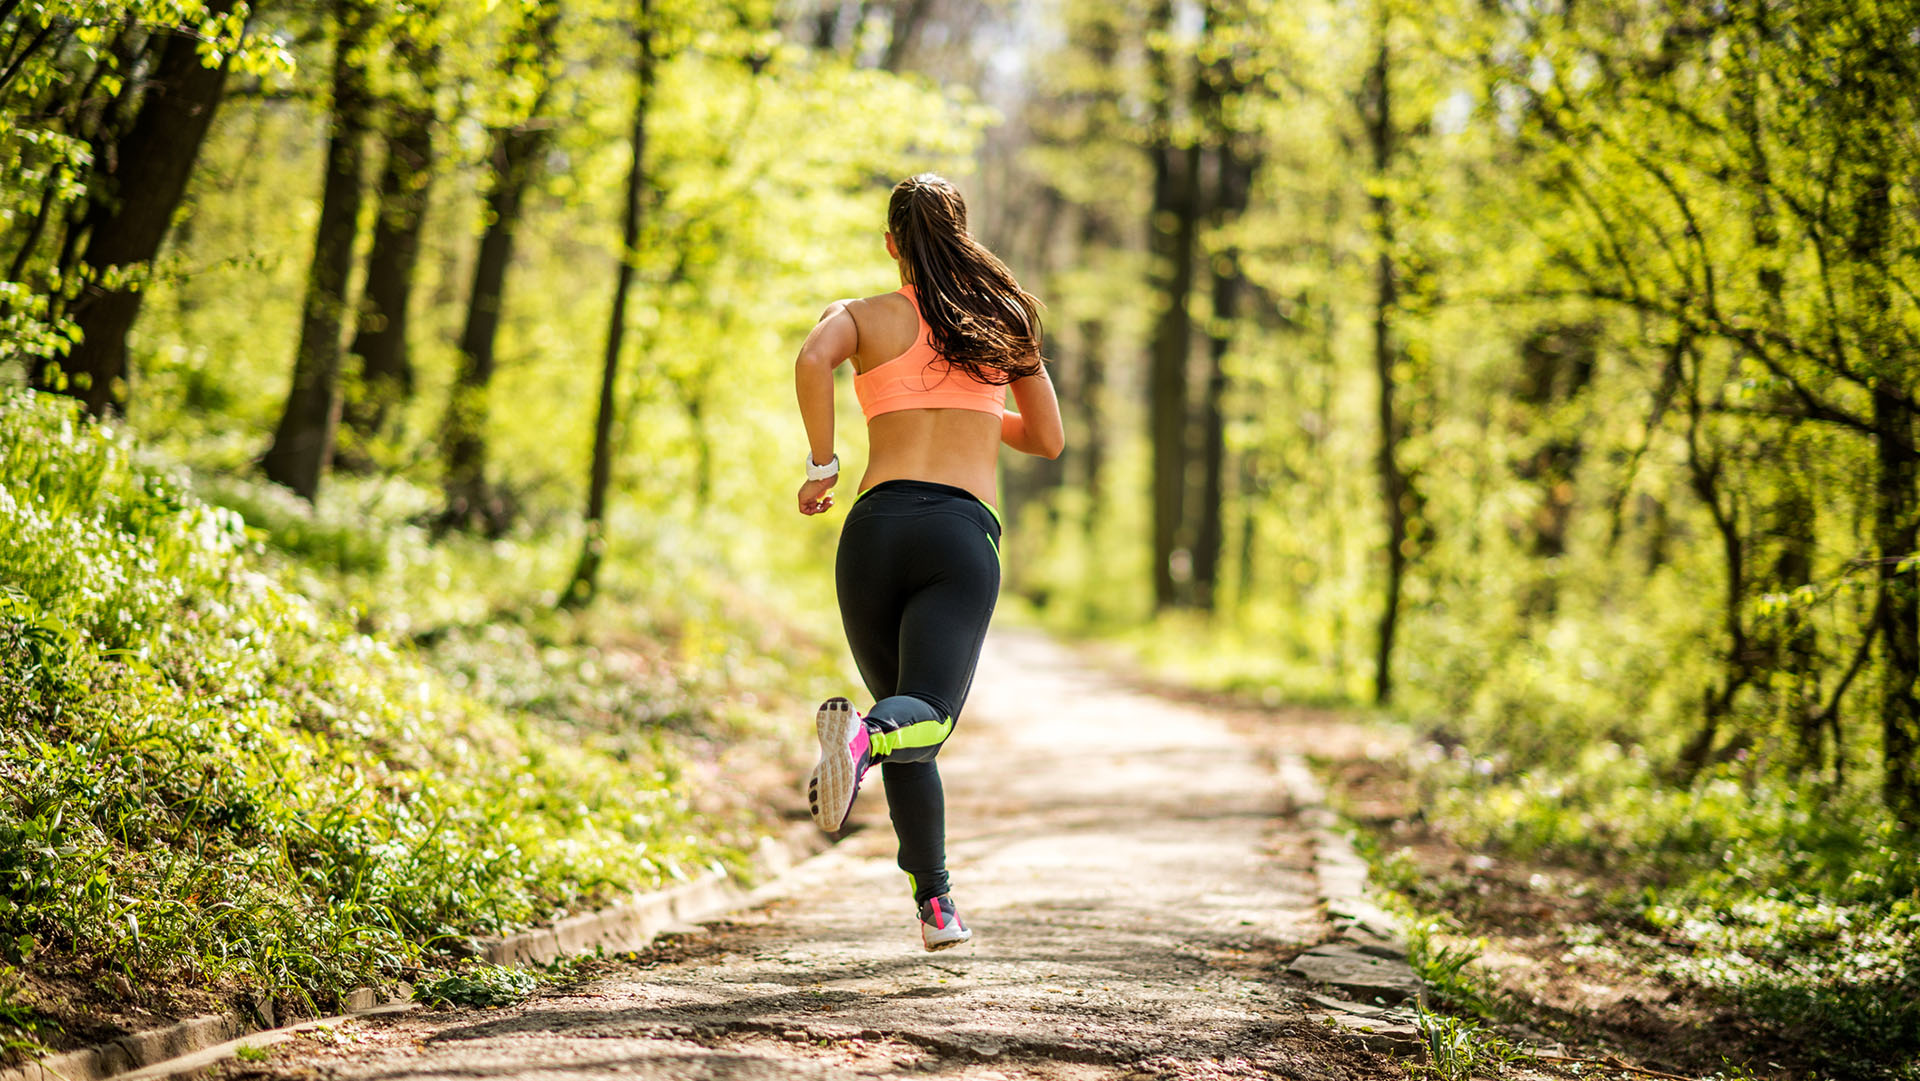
(980, 320)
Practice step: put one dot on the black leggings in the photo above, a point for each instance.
(917, 574)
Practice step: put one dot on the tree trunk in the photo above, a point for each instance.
(1232, 185)
(126, 227)
(1898, 618)
(1096, 237)
(471, 502)
(303, 443)
(1088, 390)
(1896, 501)
(1394, 490)
(586, 572)
(1175, 174)
(1173, 231)
(380, 343)
(908, 17)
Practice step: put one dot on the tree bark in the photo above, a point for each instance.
(1233, 182)
(586, 573)
(471, 502)
(380, 342)
(1173, 231)
(1394, 490)
(908, 17)
(1896, 500)
(303, 442)
(126, 227)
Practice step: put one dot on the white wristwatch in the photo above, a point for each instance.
(822, 472)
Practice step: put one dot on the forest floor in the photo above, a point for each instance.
(1129, 865)
(1554, 958)
(1556, 950)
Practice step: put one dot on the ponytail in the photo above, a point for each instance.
(979, 318)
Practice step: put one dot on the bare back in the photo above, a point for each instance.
(959, 447)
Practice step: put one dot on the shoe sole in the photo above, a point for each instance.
(831, 786)
(944, 944)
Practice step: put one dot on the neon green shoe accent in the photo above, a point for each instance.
(922, 734)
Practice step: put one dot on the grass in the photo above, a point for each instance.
(244, 758)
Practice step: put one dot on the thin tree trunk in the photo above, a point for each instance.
(380, 343)
(152, 165)
(1394, 490)
(586, 573)
(908, 18)
(1096, 237)
(1704, 475)
(1089, 389)
(1175, 177)
(471, 501)
(1898, 618)
(303, 442)
(1232, 184)
(1175, 187)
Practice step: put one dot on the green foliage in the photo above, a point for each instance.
(212, 780)
(1803, 907)
(247, 1052)
(1446, 967)
(1459, 1049)
(477, 984)
(19, 1021)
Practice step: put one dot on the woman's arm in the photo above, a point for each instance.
(833, 339)
(1036, 428)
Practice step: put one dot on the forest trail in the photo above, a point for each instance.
(1129, 867)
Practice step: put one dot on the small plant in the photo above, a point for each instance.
(18, 1020)
(247, 1052)
(1453, 1050)
(477, 985)
(1447, 969)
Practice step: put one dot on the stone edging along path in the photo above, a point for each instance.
(1367, 962)
(627, 925)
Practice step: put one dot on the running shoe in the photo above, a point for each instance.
(940, 926)
(845, 753)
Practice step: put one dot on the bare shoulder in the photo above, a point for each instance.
(879, 314)
(888, 325)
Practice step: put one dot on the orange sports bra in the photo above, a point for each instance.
(919, 379)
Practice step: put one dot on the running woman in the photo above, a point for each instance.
(919, 562)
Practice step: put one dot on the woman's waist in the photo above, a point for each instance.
(881, 493)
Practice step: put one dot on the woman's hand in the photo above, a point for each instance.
(816, 496)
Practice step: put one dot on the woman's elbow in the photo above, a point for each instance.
(1051, 445)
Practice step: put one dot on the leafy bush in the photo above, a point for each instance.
(210, 780)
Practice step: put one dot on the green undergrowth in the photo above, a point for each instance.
(1800, 905)
(1796, 906)
(1799, 910)
(267, 751)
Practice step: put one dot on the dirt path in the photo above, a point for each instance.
(1134, 887)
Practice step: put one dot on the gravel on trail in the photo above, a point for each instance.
(1130, 867)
